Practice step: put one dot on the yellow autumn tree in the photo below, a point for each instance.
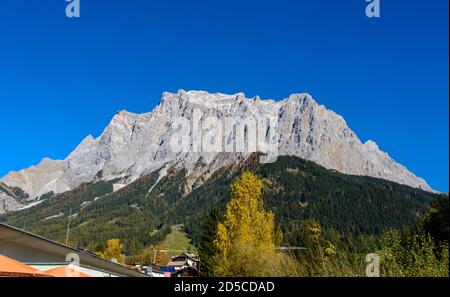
(245, 239)
(160, 258)
(113, 250)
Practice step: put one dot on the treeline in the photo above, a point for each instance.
(349, 209)
(241, 241)
(130, 214)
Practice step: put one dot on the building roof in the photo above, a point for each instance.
(65, 271)
(32, 242)
(192, 256)
(177, 263)
(11, 267)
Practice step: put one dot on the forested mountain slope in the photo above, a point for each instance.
(296, 190)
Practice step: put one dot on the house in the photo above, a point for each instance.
(162, 271)
(177, 265)
(187, 272)
(185, 259)
(66, 271)
(13, 268)
(46, 255)
(186, 264)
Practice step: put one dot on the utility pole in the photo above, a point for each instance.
(68, 227)
(154, 254)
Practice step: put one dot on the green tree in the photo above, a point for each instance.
(135, 247)
(207, 248)
(413, 255)
(437, 220)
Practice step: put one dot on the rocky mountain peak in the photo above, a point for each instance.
(372, 146)
(136, 144)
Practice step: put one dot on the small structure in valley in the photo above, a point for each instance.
(184, 265)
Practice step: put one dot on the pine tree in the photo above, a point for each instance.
(437, 220)
(207, 248)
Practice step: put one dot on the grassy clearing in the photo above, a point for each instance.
(175, 243)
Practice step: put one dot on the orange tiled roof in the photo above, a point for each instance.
(62, 272)
(11, 267)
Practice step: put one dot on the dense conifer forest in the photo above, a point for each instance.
(349, 209)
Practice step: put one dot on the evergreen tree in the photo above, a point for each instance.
(207, 248)
(437, 220)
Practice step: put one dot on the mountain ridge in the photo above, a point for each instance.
(133, 145)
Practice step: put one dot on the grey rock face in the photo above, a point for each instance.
(8, 203)
(136, 144)
(47, 176)
(311, 131)
(8, 200)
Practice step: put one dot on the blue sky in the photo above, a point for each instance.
(62, 79)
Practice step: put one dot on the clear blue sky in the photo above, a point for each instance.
(62, 79)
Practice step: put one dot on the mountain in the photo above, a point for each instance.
(10, 199)
(135, 145)
(47, 176)
(348, 207)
